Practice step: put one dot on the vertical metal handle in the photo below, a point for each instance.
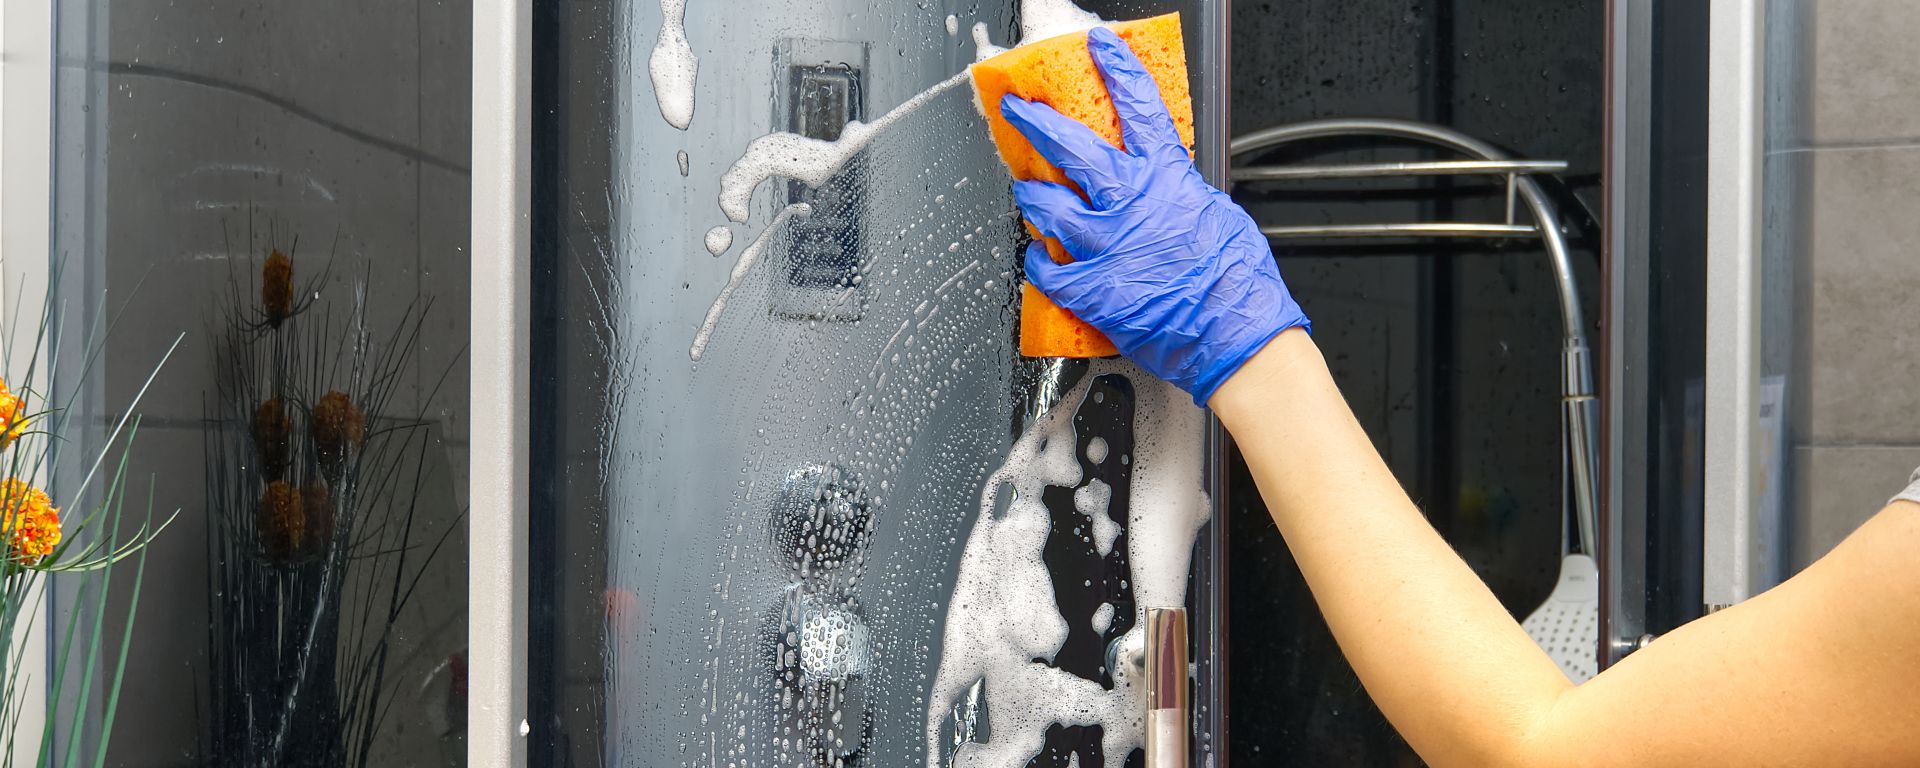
(1167, 694)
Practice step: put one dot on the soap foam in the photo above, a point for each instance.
(1041, 19)
(1003, 614)
(953, 25)
(810, 161)
(748, 258)
(983, 46)
(1092, 501)
(719, 239)
(673, 67)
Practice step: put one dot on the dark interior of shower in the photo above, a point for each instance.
(1447, 349)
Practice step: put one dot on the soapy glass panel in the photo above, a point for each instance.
(798, 486)
(283, 187)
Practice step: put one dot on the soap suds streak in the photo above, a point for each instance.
(1003, 614)
(748, 258)
(810, 161)
(673, 67)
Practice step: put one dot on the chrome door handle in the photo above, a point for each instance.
(1167, 720)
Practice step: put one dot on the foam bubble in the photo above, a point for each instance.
(673, 67)
(953, 25)
(718, 240)
(681, 158)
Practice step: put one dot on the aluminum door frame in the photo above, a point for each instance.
(500, 325)
(1741, 534)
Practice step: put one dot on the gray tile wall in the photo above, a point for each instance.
(1844, 178)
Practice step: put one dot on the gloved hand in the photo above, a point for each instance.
(1169, 268)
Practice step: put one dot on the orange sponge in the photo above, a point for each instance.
(1060, 73)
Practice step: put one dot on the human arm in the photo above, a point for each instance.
(1821, 670)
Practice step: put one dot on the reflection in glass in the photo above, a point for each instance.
(320, 521)
(286, 184)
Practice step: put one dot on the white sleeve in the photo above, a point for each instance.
(1912, 493)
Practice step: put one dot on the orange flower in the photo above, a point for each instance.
(294, 523)
(276, 287)
(32, 522)
(280, 521)
(13, 415)
(338, 428)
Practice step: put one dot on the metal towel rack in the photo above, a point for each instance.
(1579, 409)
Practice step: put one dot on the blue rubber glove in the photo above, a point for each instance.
(1169, 268)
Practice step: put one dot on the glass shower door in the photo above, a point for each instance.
(796, 501)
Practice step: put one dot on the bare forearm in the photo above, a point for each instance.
(1437, 652)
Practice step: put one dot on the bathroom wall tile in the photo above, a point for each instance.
(1837, 488)
(1864, 83)
(1858, 355)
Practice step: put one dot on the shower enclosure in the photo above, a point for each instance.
(795, 499)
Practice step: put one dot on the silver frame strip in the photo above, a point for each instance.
(497, 575)
(1623, 499)
(1735, 131)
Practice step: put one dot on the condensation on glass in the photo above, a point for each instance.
(285, 184)
(797, 502)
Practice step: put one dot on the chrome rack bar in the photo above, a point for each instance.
(1580, 411)
(1377, 170)
(1434, 229)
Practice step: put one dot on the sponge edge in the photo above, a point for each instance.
(1060, 73)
